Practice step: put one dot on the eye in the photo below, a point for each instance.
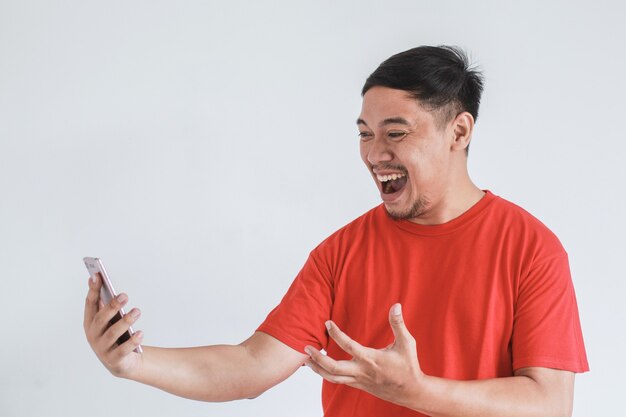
(365, 136)
(396, 135)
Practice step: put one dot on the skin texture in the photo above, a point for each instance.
(398, 136)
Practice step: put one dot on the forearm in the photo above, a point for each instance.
(520, 396)
(208, 373)
(221, 372)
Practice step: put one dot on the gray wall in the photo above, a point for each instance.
(202, 149)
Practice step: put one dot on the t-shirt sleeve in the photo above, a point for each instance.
(546, 328)
(299, 319)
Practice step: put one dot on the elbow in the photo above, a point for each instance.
(255, 394)
(252, 391)
(554, 389)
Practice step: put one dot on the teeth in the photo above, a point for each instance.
(385, 178)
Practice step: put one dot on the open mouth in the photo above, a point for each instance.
(392, 183)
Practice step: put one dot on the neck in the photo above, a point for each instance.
(453, 201)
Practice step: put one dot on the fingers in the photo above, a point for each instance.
(102, 319)
(129, 346)
(398, 327)
(113, 333)
(343, 340)
(337, 379)
(329, 366)
(338, 372)
(103, 330)
(92, 300)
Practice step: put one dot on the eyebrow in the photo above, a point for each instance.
(388, 121)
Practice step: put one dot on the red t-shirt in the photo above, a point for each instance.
(484, 294)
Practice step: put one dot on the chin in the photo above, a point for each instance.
(407, 212)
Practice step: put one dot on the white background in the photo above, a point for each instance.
(202, 149)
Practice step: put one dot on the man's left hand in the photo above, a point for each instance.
(392, 373)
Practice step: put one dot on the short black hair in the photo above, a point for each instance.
(440, 77)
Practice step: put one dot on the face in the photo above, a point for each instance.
(407, 151)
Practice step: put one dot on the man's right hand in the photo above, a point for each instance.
(120, 360)
(205, 373)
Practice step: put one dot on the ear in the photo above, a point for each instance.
(462, 128)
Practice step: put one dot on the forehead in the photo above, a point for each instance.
(383, 103)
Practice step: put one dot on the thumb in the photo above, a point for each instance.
(400, 332)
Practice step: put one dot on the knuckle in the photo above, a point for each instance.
(107, 337)
(100, 320)
(92, 296)
(409, 340)
(97, 320)
(397, 320)
(114, 305)
(110, 338)
(333, 379)
(371, 362)
(132, 316)
(135, 340)
(113, 333)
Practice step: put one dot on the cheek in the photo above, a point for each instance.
(422, 169)
(363, 150)
(430, 158)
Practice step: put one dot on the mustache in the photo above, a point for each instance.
(390, 167)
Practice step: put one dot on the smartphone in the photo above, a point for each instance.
(107, 293)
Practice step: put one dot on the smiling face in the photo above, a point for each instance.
(415, 159)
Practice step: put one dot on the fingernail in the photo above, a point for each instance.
(122, 298)
(329, 325)
(396, 310)
(308, 350)
(135, 313)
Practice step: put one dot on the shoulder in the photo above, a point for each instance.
(355, 232)
(528, 230)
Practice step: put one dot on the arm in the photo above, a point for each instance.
(208, 373)
(394, 375)
(531, 392)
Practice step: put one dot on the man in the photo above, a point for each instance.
(445, 300)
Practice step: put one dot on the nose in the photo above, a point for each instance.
(377, 150)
